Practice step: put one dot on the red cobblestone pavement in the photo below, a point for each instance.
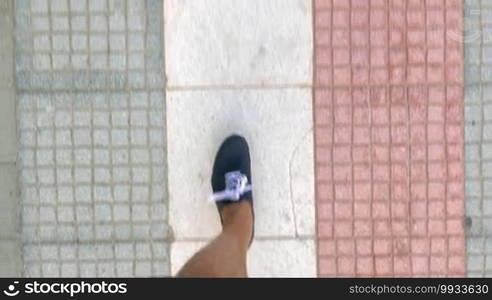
(389, 138)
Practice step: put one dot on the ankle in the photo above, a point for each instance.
(237, 219)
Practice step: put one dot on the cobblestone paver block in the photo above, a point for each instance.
(389, 138)
(478, 137)
(92, 137)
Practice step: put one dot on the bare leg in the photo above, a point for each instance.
(225, 256)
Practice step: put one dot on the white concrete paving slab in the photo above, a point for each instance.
(9, 203)
(282, 258)
(8, 130)
(237, 42)
(10, 238)
(10, 259)
(266, 258)
(181, 252)
(278, 126)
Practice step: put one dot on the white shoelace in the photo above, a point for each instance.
(236, 186)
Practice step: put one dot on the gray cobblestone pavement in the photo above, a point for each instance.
(92, 137)
(478, 136)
